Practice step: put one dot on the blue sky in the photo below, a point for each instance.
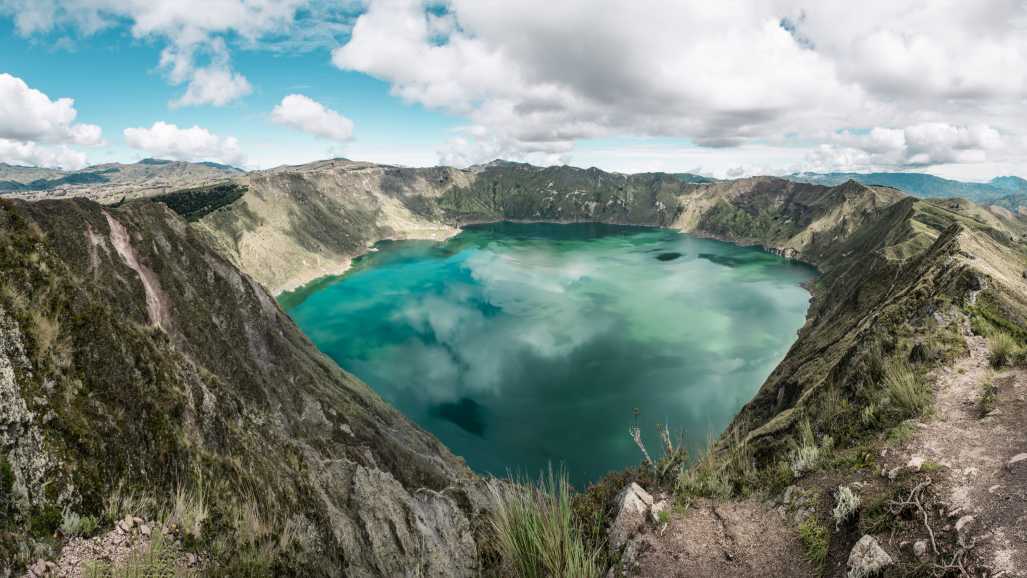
(116, 83)
(751, 88)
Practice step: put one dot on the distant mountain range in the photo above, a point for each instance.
(1008, 192)
(150, 177)
(144, 178)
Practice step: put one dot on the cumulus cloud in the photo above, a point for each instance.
(720, 74)
(215, 84)
(27, 114)
(165, 140)
(32, 154)
(306, 114)
(36, 130)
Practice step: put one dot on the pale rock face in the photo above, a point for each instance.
(867, 558)
(633, 505)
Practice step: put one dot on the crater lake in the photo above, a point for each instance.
(520, 345)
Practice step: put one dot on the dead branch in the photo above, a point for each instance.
(914, 501)
(636, 434)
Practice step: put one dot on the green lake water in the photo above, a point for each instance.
(520, 345)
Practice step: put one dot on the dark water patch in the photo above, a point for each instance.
(520, 344)
(669, 256)
(466, 413)
(751, 257)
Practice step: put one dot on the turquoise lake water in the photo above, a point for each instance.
(520, 345)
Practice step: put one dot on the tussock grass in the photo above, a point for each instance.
(122, 502)
(45, 331)
(189, 511)
(707, 478)
(1003, 349)
(535, 531)
(906, 392)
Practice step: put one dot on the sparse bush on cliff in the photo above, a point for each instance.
(535, 531)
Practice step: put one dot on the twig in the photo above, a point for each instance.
(914, 500)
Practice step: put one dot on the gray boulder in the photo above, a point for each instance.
(867, 558)
(632, 506)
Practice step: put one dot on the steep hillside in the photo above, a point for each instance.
(137, 364)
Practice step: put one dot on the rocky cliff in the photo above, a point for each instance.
(136, 361)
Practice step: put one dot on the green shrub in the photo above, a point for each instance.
(45, 520)
(815, 539)
(73, 524)
(535, 531)
(1003, 349)
(988, 397)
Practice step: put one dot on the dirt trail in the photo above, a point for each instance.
(740, 539)
(974, 450)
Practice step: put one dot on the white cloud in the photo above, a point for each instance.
(191, 27)
(215, 84)
(27, 114)
(308, 115)
(32, 154)
(720, 74)
(36, 130)
(165, 140)
(920, 145)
